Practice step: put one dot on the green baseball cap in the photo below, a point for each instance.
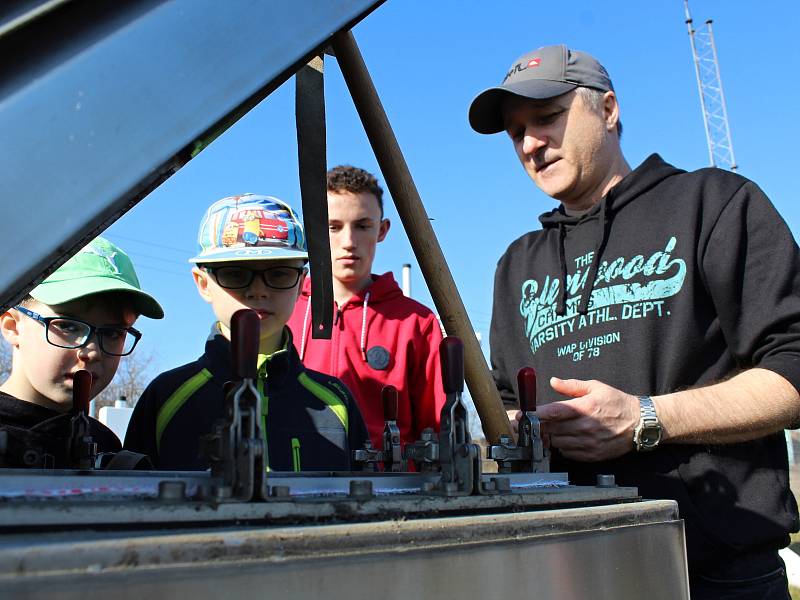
(98, 267)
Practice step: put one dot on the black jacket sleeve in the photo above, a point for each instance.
(357, 433)
(501, 330)
(141, 434)
(751, 266)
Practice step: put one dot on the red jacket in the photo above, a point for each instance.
(380, 337)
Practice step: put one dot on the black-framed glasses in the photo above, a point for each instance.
(237, 278)
(70, 333)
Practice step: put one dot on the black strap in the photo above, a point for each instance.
(310, 116)
(125, 460)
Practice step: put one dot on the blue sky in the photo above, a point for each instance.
(428, 60)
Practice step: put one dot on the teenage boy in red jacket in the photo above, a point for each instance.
(380, 337)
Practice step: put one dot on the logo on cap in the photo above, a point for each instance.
(255, 252)
(520, 67)
(252, 227)
(102, 253)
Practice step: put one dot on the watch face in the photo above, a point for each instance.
(650, 436)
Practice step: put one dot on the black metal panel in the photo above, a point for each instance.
(104, 100)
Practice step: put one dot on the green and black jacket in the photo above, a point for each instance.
(311, 420)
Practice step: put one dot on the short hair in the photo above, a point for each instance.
(594, 99)
(346, 178)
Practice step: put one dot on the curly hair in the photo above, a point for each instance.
(346, 178)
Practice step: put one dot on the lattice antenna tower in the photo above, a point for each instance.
(712, 100)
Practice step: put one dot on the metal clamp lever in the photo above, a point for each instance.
(424, 452)
(458, 456)
(528, 455)
(368, 458)
(236, 449)
(81, 448)
(391, 455)
(392, 450)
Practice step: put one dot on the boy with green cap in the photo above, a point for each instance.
(252, 256)
(79, 318)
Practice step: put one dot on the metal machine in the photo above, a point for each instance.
(445, 528)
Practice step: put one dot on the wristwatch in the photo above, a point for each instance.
(647, 434)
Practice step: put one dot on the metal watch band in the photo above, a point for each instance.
(648, 420)
(647, 411)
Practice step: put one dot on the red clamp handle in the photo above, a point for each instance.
(451, 353)
(81, 391)
(389, 396)
(245, 333)
(526, 382)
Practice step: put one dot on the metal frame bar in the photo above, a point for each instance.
(82, 146)
(420, 233)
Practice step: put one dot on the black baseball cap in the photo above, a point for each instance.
(541, 74)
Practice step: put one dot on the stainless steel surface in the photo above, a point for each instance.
(293, 497)
(76, 515)
(100, 484)
(621, 552)
(103, 101)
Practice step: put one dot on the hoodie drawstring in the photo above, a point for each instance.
(598, 251)
(305, 330)
(363, 344)
(583, 307)
(561, 308)
(364, 327)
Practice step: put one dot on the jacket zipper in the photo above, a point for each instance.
(264, 411)
(296, 454)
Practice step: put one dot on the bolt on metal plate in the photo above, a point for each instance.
(606, 481)
(360, 488)
(171, 491)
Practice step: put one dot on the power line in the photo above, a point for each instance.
(183, 251)
(158, 258)
(149, 268)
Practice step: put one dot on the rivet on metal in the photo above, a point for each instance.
(606, 481)
(360, 488)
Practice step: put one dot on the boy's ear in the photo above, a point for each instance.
(8, 327)
(383, 229)
(201, 281)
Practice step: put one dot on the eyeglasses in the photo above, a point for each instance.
(74, 333)
(237, 278)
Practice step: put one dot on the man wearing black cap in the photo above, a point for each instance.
(671, 302)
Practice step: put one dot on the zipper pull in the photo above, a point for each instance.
(296, 455)
(338, 316)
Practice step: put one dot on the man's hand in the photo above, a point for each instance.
(597, 424)
(513, 419)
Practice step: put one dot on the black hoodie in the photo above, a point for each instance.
(38, 437)
(674, 280)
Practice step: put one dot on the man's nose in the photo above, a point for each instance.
(533, 140)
